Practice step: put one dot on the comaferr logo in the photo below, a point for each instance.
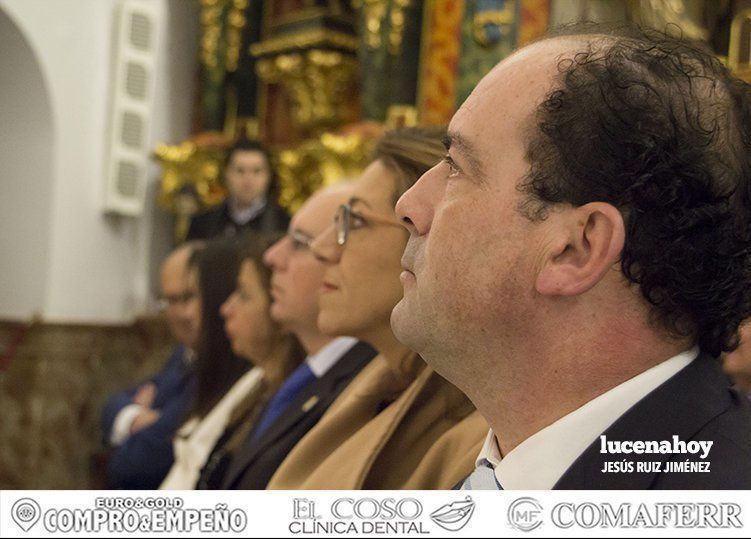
(525, 514)
(454, 516)
(589, 515)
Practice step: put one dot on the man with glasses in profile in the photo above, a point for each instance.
(332, 362)
(139, 423)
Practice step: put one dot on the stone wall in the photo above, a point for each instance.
(52, 391)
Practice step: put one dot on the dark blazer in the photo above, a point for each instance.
(144, 459)
(695, 404)
(255, 462)
(218, 222)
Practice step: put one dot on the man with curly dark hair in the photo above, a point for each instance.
(581, 257)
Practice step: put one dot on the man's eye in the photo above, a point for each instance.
(453, 169)
(298, 245)
(299, 242)
(357, 221)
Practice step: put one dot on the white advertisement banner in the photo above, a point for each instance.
(375, 513)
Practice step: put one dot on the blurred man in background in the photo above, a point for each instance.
(139, 423)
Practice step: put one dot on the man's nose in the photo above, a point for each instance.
(226, 309)
(415, 207)
(325, 247)
(274, 255)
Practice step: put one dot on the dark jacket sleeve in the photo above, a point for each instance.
(144, 459)
(172, 368)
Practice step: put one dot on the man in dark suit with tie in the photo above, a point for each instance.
(331, 363)
(580, 259)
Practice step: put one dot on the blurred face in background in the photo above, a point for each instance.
(297, 273)
(182, 304)
(247, 176)
(246, 316)
(361, 284)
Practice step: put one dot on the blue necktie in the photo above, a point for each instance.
(300, 378)
(483, 478)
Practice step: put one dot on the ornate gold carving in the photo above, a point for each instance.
(236, 22)
(213, 34)
(375, 13)
(191, 179)
(211, 22)
(401, 116)
(317, 82)
(333, 11)
(396, 32)
(318, 162)
(303, 40)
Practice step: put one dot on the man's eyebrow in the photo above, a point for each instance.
(355, 200)
(466, 150)
(296, 230)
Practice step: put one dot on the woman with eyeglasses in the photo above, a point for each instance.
(398, 424)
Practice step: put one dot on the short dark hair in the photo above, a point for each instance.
(656, 126)
(250, 145)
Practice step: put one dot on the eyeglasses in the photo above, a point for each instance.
(346, 219)
(299, 240)
(169, 301)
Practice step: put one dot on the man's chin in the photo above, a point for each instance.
(401, 324)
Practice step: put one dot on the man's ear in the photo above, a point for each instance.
(589, 241)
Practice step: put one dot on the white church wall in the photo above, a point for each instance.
(99, 268)
(26, 163)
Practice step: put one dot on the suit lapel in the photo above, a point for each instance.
(681, 406)
(316, 395)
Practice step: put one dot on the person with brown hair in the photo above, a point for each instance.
(375, 435)
(331, 362)
(240, 361)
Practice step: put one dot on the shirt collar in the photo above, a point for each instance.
(242, 216)
(540, 460)
(326, 357)
(189, 355)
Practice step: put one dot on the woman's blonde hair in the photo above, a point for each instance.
(410, 152)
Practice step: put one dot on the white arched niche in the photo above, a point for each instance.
(26, 175)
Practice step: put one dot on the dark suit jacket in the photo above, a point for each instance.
(144, 459)
(695, 404)
(254, 464)
(218, 222)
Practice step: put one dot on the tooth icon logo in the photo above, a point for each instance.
(25, 513)
(454, 516)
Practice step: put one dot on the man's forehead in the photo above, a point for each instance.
(319, 209)
(504, 100)
(531, 70)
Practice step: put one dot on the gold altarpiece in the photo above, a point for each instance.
(319, 80)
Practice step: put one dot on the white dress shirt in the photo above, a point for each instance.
(241, 216)
(197, 437)
(541, 460)
(326, 357)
